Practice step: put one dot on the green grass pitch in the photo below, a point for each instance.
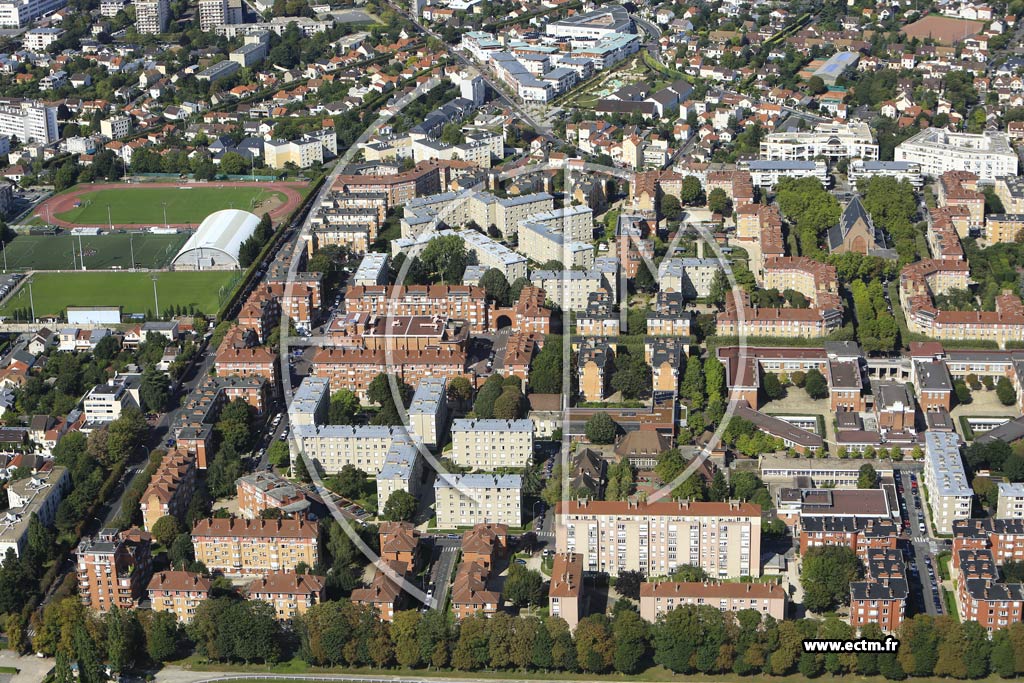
(145, 206)
(109, 250)
(54, 292)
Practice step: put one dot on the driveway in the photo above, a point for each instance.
(31, 669)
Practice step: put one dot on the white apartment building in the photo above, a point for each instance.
(38, 39)
(492, 444)
(604, 22)
(428, 412)
(116, 127)
(487, 252)
(105, 402)
(937, 150)
(403, 469)
(900, 170)
(216, 13)
(949, 493)
(766, 173)
(542, 243)
(28, 120)
(334, 446)
(724, 539)
(151, 16)
(833, 141)
(372, 270)
(1011, 501)
(467, 499)
(310, 402)
(18, 13)
(569, 289)
(39, 494)
(691, 277)
(577, 222)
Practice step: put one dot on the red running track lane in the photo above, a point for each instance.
(62, 203)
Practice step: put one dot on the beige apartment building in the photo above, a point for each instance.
(724, 539)
(290, 594)
(179, 593)
(468, 499)
(303, 153)
(657, 599)
(259, 546)
(566, 589)
(334, 446)
(492, 444)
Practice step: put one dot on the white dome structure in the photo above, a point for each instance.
(217, 241)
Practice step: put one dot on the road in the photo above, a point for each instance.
(924, 573)
(442, 558)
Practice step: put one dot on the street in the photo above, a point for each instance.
(922, 567)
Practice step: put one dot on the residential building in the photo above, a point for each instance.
(980, 596)
(881, 598)
(240, 546)
(216, 13)
(39, 494)
(691, 277)
(900, 170)
(428, 412)
(1011, 500)
(859, 534)
(470, 595)
(989, 155)
(949, 490)
(105, 402)
(179, 593)
(28, 120)
(565, 592)
(290, 594)
(372, 270)
(458, 302)
(18, 13)
(170, 488)
(724, 539)
(492, 444)
(384, 594)
(767, 172)
(151, 16)
(466, 499)
(114, 568)
(261, 491)
(658, 599)
(832, 141)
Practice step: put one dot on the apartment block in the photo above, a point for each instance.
(657, 599)
(290, 594)
(859, 534)
(949, 491)
(1011, 501)
(114, 568)
(333, 446)
(467, 499)
(724, 539)
(832, 141)
(881, 598)
(937, 150)
(384, 594)
(170, 488)
(428, 412)
(981, 596)
(261, 491)
(691, 277)
(459, 302)
(240, 546)
(492, 444)
(565, 592)
(179, 593)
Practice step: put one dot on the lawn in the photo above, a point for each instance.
(55, 252)
(54, 292)
(145, 205)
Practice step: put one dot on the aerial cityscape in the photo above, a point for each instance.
(544, 340)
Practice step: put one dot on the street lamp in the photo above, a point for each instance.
(156, 301)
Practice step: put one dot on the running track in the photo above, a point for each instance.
(49, 209)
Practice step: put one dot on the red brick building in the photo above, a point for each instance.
(881, 598)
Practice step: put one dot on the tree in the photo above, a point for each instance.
(867, 478)
(629, 633)
(546, 372)
(123, 638)
(510, 405)
(600, 429)
(627, 583)
(166, 529)
(815, 85)
(523, 586)
(691, 192)
(718, 289)
(488, 395)
(162, 636)
(718, 201)
(815, 384)
(400, 506)
(343, 408)
(963, 392)
(644, 281)
(349, 482)
(155, 390)
(670, 207)
(445, 258)
(278, 453)
(1005, 392)
(632, 376)
(233, 163)
(689, 573)
(595, 649)
(496, 285)
(773, 389)
(826, 575)
(459, 389)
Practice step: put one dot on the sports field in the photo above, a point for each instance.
(54, 292)
(109, 250)
(186, 205)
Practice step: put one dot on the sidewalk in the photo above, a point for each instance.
(31, 669)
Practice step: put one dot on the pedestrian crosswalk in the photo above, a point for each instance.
(921, 539)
